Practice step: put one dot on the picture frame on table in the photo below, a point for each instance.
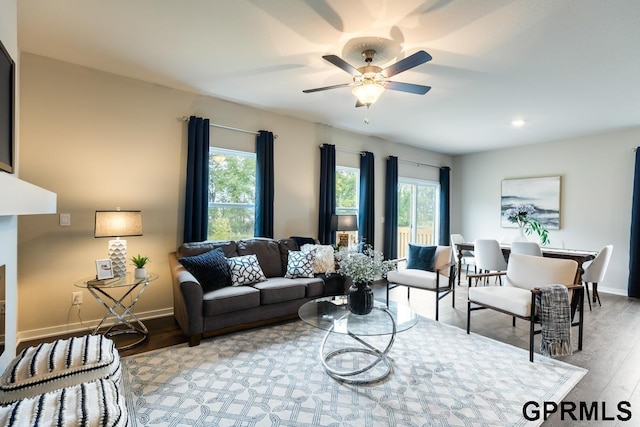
(104, 269)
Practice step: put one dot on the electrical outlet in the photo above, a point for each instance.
(76, 298)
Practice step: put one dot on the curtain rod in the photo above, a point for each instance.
(419, 164)
(344, 150)
(215, 125)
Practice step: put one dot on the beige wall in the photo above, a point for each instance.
(9, 224)
(595, 202)
(101, 141)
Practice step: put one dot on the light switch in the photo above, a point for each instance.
(65, 220)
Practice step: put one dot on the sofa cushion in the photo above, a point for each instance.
(421, 257)
(279, 289)
(210, 269)
(227, 300)
(268, 253)
(300, 264)
(315, 286)
(229, 248)
(58, 364)
(285, 246)
(245, 270)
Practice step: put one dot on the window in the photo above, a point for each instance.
(417, 213)
(348, 195)
(232, 192)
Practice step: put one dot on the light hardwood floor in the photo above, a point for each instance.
(611, 350)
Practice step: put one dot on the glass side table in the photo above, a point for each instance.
(332, 315)
(125, 322)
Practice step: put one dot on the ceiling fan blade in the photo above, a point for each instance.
(407, 87)
(411, 61)
(318, 89)
(341, 63)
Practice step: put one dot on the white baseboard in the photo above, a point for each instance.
(86, 326)
(614, 291)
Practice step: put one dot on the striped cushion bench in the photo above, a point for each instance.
(96, 403)
(62, 363)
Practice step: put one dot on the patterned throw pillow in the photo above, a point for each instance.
(300, 264)
(324, 261)
(210, 269)
(245, 270)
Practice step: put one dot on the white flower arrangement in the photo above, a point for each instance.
(364, 266)
(521, 215)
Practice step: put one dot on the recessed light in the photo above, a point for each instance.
(517, 123)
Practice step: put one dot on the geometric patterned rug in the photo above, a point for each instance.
(272, 376)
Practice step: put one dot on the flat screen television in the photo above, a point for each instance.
(7, 110)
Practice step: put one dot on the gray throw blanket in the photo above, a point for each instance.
(554, 312)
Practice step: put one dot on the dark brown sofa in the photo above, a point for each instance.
(231, 308)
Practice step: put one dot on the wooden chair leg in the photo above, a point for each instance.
(514, 321)
(596, 295)
(468, 316)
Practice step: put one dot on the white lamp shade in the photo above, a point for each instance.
(118, 223)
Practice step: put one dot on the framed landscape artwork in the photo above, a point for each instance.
(542, 193)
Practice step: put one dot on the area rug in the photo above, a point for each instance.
(272, 376)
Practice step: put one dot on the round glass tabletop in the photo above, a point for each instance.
(332, 313)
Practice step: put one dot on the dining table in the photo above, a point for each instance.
(578, 255)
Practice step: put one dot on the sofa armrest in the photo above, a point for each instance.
(187, 298)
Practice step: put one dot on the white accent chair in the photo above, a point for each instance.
(526, 248)
(594, 272)
(441, 280)
(468, 257)
(489, 258)
(517, 298)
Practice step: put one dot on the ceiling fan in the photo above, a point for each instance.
(369, 81)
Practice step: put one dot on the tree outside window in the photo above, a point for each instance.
(348, 195)
(232, 189)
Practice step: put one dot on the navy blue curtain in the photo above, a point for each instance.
(196, 206)
(445, 226)
(390, 247)
(263, 226)
(366, 212)
(327, 205)
(633, 288)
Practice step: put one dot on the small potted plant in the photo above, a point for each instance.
(140, 261)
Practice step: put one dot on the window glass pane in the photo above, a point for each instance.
(348, 196)
(347, 190)
(232, 177)
(417, 213)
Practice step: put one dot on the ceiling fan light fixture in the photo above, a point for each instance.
(368, 93)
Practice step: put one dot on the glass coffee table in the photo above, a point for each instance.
(349, 363)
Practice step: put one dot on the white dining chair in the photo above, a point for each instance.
(489, 257)
(468, 257)
(526, 248)
(594, 272)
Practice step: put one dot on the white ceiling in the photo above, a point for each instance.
(566, 67)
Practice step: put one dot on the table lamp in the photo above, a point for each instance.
(344, 223)
(118, 224)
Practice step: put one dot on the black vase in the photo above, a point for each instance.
(360, 298)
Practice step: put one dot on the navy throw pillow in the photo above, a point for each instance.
(421, 257)
(210, 269)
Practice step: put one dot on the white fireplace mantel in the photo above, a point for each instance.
(18, 197)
